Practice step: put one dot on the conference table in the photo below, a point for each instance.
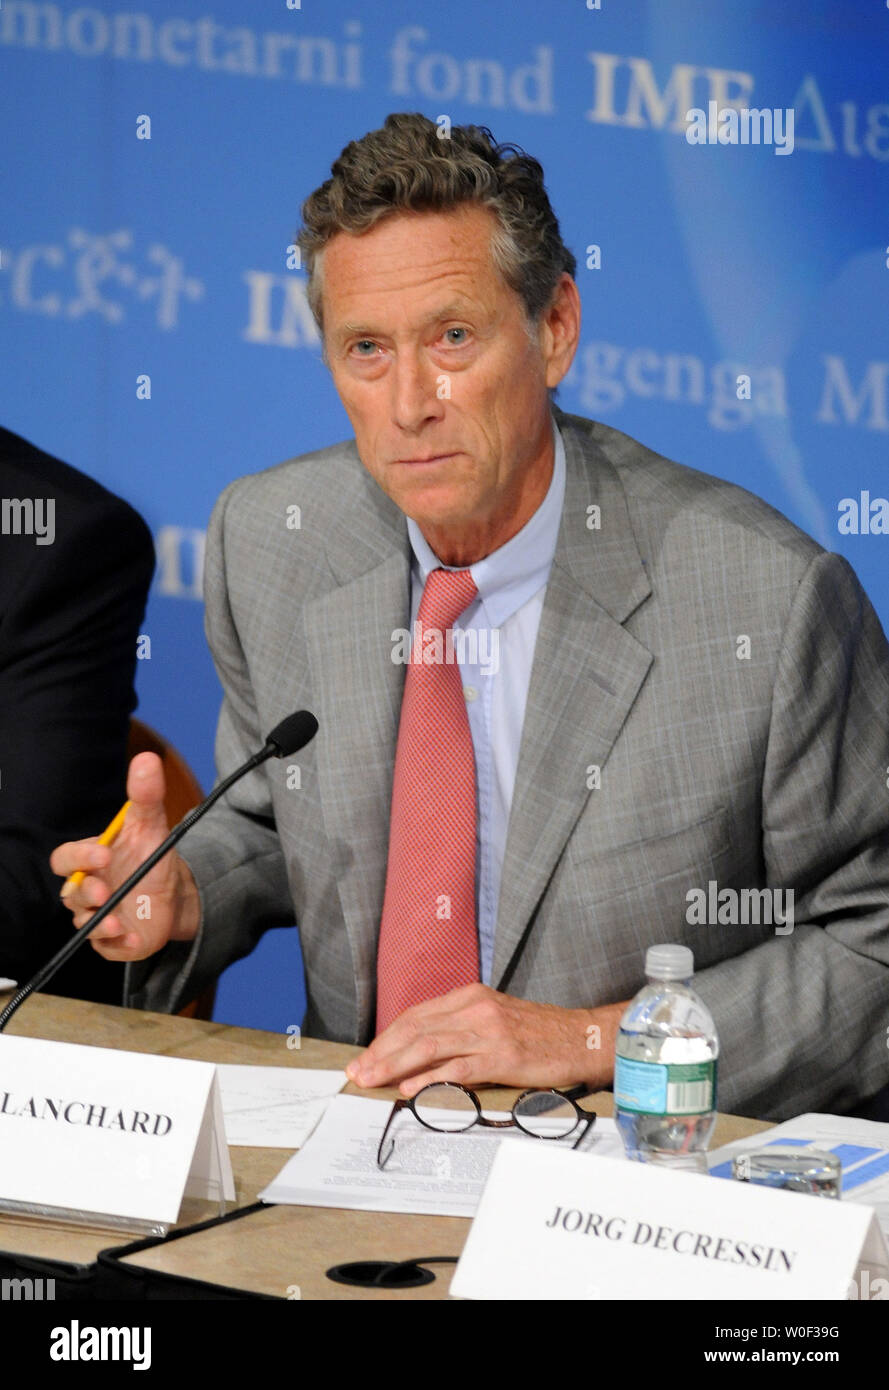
(281, 1252)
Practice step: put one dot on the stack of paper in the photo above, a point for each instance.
(275, 1107)
(439, 1174)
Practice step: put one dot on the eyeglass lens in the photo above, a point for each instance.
(445, 1107)
(545, 1115)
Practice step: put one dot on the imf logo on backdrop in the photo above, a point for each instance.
(627, 92)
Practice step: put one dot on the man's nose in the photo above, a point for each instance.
(416, 393)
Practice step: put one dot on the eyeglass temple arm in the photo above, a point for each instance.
(397, 1106)
(577, 1092)
(590, 1118)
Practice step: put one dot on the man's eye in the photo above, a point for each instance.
(365, 343)
(456, 341)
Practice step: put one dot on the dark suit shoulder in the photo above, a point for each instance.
(96, 535)
(27, 471)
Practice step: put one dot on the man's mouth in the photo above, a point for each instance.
(426, 459)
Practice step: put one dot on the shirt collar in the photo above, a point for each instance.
(509, 576)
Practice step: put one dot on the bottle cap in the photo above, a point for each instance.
(670, 962)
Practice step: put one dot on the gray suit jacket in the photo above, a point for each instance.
(759, 770)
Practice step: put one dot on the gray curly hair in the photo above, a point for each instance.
(406, 165)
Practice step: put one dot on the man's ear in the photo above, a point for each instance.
(560, 330)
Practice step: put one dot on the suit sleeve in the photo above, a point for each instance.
(803, 1017)
(234, 853)
(66, 694)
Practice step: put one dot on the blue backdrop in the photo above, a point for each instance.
(736, 295)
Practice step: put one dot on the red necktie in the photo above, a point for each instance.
(428, 938)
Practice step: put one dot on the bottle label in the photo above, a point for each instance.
(655, 1088)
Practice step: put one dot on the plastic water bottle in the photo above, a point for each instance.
(665, 1066)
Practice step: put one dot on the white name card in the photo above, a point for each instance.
(100, 1136)
(554, 1224)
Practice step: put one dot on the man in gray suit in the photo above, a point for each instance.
(682, 698)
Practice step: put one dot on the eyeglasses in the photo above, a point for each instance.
(449, 1108)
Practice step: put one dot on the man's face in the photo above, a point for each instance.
(430, 354)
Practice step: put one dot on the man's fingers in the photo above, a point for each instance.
(145, 787)
(421, 1054)
(468, 1071)
(145, 792)
(114, 940)
(83, 900)
(125, 947)
(108, 930)
(438, 1013)
(378, 1064)
(102, 866)
(66, 859)
(451, 1002)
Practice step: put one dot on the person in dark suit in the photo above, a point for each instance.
(75, 566)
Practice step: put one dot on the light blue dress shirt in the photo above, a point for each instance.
(495, 668)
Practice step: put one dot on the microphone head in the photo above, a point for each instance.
(293, 733)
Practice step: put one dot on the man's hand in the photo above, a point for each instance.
(475, 1035)
(164, 906)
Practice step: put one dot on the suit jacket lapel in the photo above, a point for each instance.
(586, 675)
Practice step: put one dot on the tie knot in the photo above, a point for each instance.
(446, 595)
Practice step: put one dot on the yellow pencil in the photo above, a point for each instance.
(107, 837)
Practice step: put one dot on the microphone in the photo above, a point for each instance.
(288, 737)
